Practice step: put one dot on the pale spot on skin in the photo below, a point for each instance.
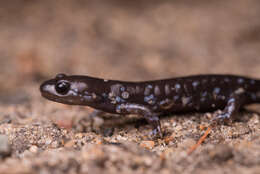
(131, 90)
(157, 91)
(176, 97)
(125, 95)
(185, 88)
(147, 90)
(166, 104)
(94, 96)
(150, 99)
(87, 98)
(177, 87)
(118, 99)
(240, 80)
(122, 88)
(116, 89)
(79, 86)
(113, 96)
(118, 109)
(239, 91)
(105, 80)
(137, 89)
(104, 95)
(185, 100)
(167, 89)
(203, 99)
(216, 90)
(195, 84)
(204, 94)
(226, 79)
(74, 93)
(113, 101)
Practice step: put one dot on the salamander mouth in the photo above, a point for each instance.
(49, 96)
(58, 99)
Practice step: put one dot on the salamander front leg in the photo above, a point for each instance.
(232, 107)
(150, 117)
(155, 122)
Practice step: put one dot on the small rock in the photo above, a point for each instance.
(48, 141)
(79, 135)
(170, 138)
(147, 144)
(178, 128)
(69, 144)
(33, 149)
(55, 144)
(5, 149)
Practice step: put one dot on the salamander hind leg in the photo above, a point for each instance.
(150, 117)
(234, 102)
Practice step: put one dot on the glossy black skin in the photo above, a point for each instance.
(152, 98)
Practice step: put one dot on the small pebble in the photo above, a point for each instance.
(178, 128)
(55, 144)
(48, 141)
(5, 149)
(170, 138)
(33, 149)
(79, 135)
(147, 144)
(69, 144)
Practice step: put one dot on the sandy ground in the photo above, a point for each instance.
(125, 40)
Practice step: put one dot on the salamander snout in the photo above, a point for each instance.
(67, 89)
(54, 87)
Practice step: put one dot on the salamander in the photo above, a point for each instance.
(150, 99)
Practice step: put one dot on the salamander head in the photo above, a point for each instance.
(65, 89)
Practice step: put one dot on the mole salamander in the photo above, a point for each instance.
(150, 99)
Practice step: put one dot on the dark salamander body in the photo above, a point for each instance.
(152, 98)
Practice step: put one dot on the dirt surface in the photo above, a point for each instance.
(125, 40)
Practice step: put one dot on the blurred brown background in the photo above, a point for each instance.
(126, 40)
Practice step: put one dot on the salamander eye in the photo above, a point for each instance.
(62, 87)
